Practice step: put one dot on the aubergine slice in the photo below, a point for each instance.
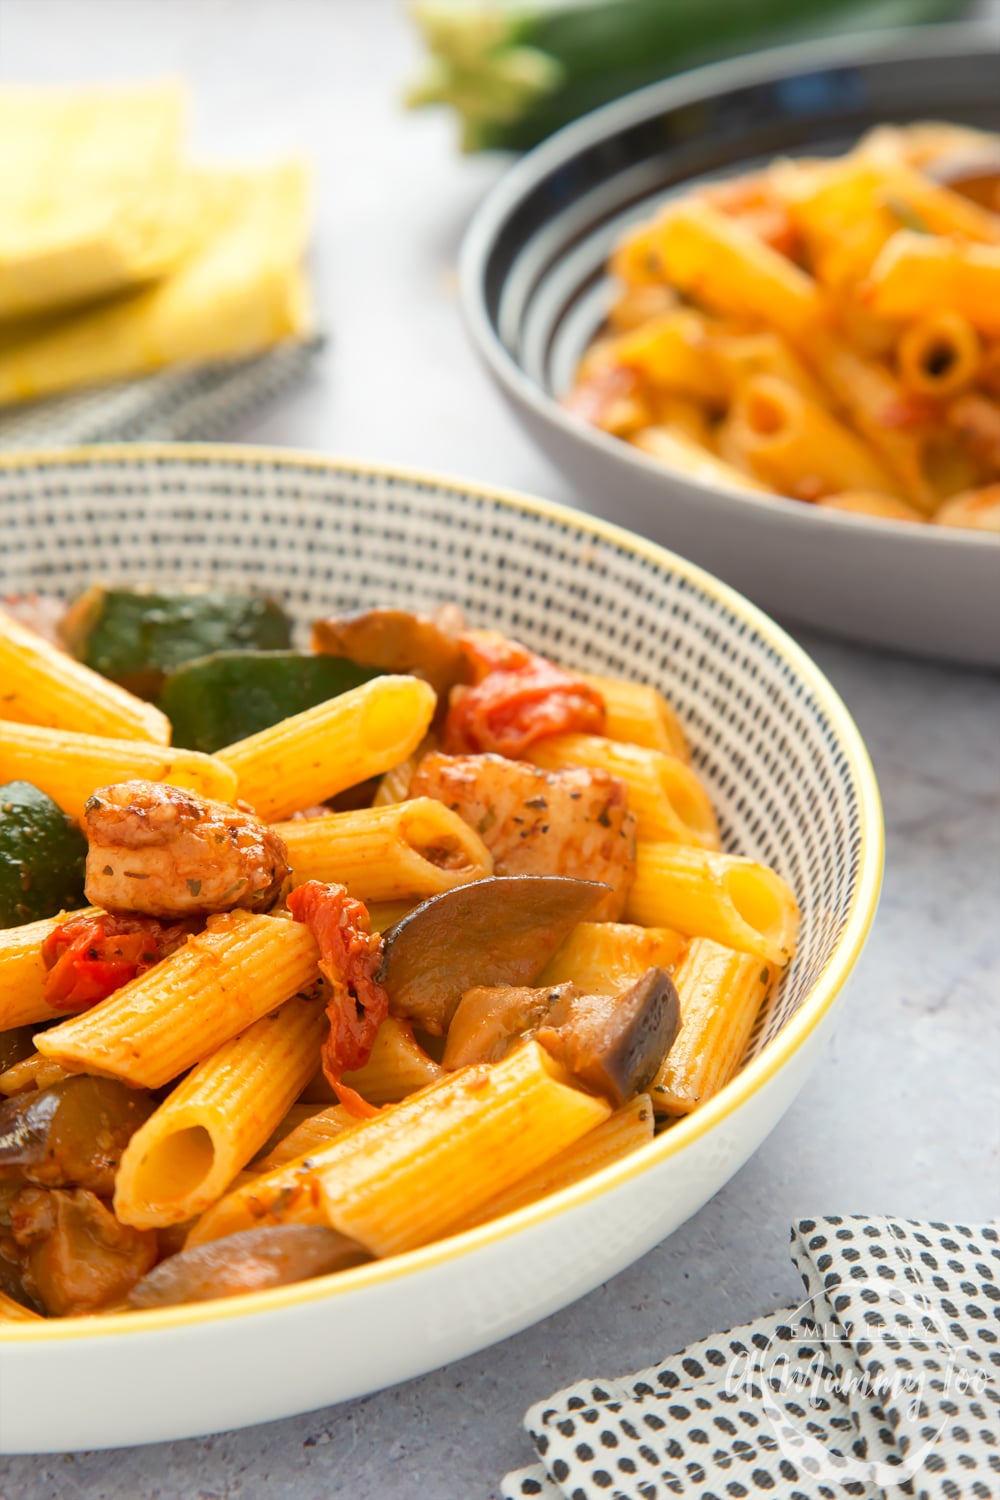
(250, 1261)
(71, 1134)
(500, 931)
(614, 1044)
(394, 640)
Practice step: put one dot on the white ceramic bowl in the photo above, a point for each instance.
(789, 776)
(535, 290)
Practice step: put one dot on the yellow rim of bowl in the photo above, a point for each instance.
(692, 1127)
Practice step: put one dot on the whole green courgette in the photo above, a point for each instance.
(515, 70)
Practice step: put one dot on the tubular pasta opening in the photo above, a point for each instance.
(434, 844)
(758, 902)
(177, 1165)
(765, 415)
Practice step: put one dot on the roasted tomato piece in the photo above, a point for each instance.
(88, 958)
(350, 958)
(517, 697)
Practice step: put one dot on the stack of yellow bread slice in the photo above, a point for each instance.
(118, 257)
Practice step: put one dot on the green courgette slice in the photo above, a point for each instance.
(42, 856)
(229, 695)
(135, 637)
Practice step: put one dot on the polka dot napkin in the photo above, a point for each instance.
(883, 1381)
(202, 401)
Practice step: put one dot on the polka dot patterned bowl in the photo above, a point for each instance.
(785, 766)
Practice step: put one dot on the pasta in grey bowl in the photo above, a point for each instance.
(536, 291)
(772, 744)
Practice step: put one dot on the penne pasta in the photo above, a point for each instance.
(841, 302)
(682, 453)
(316, 1129)
(879, 407)
(297, 1114)
(740, 356)
(414, 1171)
(668, 800)
(395, 784)
(720, 993)
(728, 898)
(187, 1153)
(863, 503)
(16, 1312)
(635, 261)
(637, 303)
(671, 352)
(186, 1006)
(939, 356)
(640, 715)
(22, 971)
(70, 766)
(39, 684)
(989, 370)
(315, 754)
(601, 958)
(684, 419)
(398, 1065)
(609, 397)
(798, 446)
(915, 272)
(978, 510)
(405, 850)
(621, 1133)
(721, 263)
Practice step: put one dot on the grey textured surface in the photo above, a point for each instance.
(902, 1116)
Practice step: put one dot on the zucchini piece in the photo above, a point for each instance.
(136, 637)
(229, 695)
(42, 856)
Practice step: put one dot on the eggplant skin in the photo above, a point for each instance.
(250, 1261)
(71, 1134)
(614, 1044)
(498, 931)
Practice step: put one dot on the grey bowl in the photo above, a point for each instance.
(534, 291)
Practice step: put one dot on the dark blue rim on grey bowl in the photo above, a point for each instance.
(534, 290)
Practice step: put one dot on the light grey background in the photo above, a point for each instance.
(903, 1114)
